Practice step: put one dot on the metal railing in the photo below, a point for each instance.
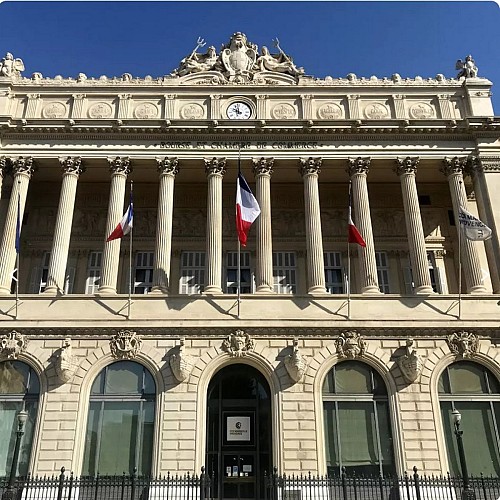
(407, 487)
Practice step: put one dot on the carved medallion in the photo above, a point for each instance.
(125, 345)
(100, 110)
(463, 344)
(421, 111)
(181, 363)
(192, 111)
(54, 110)
(238, 344)
(330, 111)
(12, 344)
(295, 363)
(350, 345)
(410, 363)
(376, 111)
(66, 364)
(283, 111)
(146, 110)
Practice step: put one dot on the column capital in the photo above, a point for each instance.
(215, 166)
(455, 165)
(407, 165)
(310, 165)
(4, 166)
(358, 165)
(168, 166)
(120, 165)
(72, 165)
(263, 166)
(23, 165)
(486, 163)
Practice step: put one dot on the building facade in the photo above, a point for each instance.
(333, 355)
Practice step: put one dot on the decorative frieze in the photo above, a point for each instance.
(410, 363)
(125, 345)
(463, 344)
(238, 344)
(12, 344)
(350, 345)
(181, 363)
(295, 363)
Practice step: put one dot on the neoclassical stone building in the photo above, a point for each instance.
(305, 372)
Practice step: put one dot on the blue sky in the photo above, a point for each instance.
(327, 38)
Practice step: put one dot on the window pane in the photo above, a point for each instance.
(330, 422)
(352, 378)
(91, 440)
(148, 417)
(467, 378)
(384, 427)
(13, 377)
(124, 377)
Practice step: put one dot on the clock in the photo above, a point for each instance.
(239, 111)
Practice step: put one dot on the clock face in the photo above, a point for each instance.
(239, 111)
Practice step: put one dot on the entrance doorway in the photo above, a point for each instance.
(239, 447)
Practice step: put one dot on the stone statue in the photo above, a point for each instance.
(280, 63)
(295, 363)
(181, 363)
(10, 66)
(468, 68)
(238, 56)
(410, 363)
(195, 63)
(66, 364)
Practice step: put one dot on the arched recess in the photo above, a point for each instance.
(472, 386)
(87, 374)
(378, 361)
(19, 390)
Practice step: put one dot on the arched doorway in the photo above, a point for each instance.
(239, 437)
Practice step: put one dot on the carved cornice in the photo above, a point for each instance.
(263, 166)
(72, 165)
(120, 165)
(455, 165)
(215, 166)
(310, 166)
(358, 165)
(169, 166)
(406, 165)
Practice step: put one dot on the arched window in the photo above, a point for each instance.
(475, 392)
(19, 388)
(120, 422)
(356, 418)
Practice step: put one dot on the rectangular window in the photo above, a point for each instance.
(434, 273)
(143, 272)
(192, 278)
(333, 272)
(232, 273)
(42, 282)
(382, 262)
(284, 272)
(93, 273)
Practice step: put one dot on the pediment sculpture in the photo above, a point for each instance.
(410, 363)
(239, 61)
(468, 68)
(295, 363)
(66, 364)
(125, 345)
(10, 66)
(181, 363)
(12, 344)
(463, 344)
(238, 344)
(350, 345)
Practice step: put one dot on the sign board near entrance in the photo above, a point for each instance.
(238, 428)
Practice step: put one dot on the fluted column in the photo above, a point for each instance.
(406, 169)
(215, 168)
(22, 169)
(72, 168)
(263, 169)
(168, 168)
(358, 170)
(453, 169)
(119, 168)
(310, 169)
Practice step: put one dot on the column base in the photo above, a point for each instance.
(371, 290)
(477, 290)
(4, 290)
(52, 290)
(158, 290)
(106, 290)
(424, 290)
(264, 289)
(317, 290)
(212, 290)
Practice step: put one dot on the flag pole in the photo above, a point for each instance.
(239, 246)
(130, 256)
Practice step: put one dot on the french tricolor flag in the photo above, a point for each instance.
(354, 236)
(247, 209)
(125, 224)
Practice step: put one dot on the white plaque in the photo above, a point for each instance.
(238, 428)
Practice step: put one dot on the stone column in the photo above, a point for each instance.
(22, 169)
(72, 168)
(168, 168)
(263, 169)
(310, 169)
(4, 165)
(453, 170)
(358, 170)
(120, 168)
(406, 169)
(215, 168)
